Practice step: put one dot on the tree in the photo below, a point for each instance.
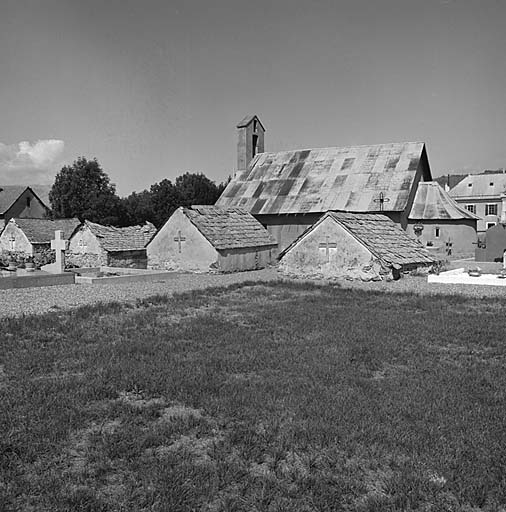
(85, 191)
(165, 199)
(138, 208)
(196, 189)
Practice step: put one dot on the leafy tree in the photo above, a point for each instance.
(165, 199)
(138, 208)
(196, 189)
(84, 190)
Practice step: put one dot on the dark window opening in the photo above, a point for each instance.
(437, 232)
(254, 148)
(28, 201)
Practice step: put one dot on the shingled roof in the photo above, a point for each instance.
(382, 237)
(41, 231)
(318, 180)
(228, 228)
(130, 238)
(432, 202)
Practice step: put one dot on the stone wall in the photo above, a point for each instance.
(128, 259)
(85, 260)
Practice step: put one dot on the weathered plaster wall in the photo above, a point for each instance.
(250, 258)
(21, 244)
(349, 259)
(197, 254)
(287, 228)
(21, 209)
(84, 250)
(461, 233)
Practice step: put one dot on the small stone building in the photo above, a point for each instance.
(365, 246)
(32, 237)
(94, 245)
(208, 238)
(446, 228)
(20, 201)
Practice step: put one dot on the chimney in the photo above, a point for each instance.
(250, 141)
(503, 209)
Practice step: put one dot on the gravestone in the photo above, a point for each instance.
(59, 245)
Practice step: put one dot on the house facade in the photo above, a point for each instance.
(483, 195)
(211, 239)
(18, 201)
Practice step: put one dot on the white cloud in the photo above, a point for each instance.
(28, 163)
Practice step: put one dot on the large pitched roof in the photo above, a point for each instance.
(41, 231)
(318, 180)
(432, 202)
(385, 239)
(480, 185)
(228, 228)
(130, 238)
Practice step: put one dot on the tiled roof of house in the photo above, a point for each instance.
(432, 202)
(480, 185)
(385, 239)
(129, 238)
(319, 180)
(41, 231)
(229, 228)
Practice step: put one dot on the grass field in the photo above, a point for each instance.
(259, 397)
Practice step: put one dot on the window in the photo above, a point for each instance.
(491, 184)
(469, 184)
(471, 208)
(490, 209)
(490, 225)
(28, 201)
(437, 232)
(255, 145)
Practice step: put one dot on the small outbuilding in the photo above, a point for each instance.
(446, 228)
(493, 245)
(32, 237)
(210, 238)
(365, 246)
(94, 245)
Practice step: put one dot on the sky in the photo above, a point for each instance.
(155, 88)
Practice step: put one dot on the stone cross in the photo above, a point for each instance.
(327, 246)
(12, 242)
(179, 239)
(59, 245)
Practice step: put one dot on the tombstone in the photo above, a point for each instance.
(59, 245)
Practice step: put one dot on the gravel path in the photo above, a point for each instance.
(25, 301)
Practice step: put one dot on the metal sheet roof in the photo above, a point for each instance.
(318, 180)
(480, 185)
(385, 239)
(229, 228)
(432, 202)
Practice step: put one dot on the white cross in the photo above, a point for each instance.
(59, 245)
(12, 243)
(179, 239)
(327, 246)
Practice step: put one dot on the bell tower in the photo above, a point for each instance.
(250, 141)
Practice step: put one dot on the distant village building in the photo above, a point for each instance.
(209, 238)
(289, 191)
(32, 237)
(94, 245)
(484, 195)
(441, 224)
(20, 201)
(366, 246)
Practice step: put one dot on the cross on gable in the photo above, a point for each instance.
(327, 246)
(12, 242)
(381, 200)
(179, 239)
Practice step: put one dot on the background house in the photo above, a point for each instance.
(353, 245)
(20, 201)
(209, 238)
(483, 195)
(32, 237)
(441, 224)
(94, 245)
